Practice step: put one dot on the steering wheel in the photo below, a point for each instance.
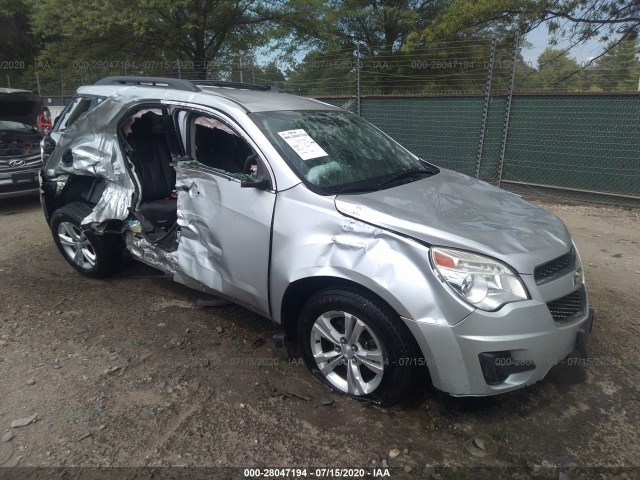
(249, 161)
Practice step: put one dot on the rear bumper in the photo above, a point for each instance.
(495, 352)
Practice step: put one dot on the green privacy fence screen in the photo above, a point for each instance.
(582, 145)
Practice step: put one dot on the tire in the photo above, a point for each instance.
(379, 368)
(90, 254)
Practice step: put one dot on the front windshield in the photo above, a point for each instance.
(335, 151)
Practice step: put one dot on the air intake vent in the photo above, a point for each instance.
(555, 268)
(568, 307)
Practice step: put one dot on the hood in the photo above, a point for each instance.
(19, 106)
(454, 210)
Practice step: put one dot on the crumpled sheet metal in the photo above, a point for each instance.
(225, 235)
(114, 204)
(394, 267)
(197, 242)
(93, 142)
(455, 210)
(151, 254)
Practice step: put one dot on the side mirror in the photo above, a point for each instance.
(260, 179)
(260, 184)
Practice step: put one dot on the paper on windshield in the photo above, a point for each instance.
(303, 144)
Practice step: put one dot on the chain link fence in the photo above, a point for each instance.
(557, 127)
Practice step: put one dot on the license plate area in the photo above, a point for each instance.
(25, 177)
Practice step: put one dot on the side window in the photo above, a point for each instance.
(217, 146)
(79, 106)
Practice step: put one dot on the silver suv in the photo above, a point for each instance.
(380, 265)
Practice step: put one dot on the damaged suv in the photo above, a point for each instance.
(380, 265)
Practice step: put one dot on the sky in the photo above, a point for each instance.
(539, 39)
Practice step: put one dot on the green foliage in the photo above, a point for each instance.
(578, 20)
(392, 46)
(618, 70)
(153, 31)
(557, 72)
(17, 41)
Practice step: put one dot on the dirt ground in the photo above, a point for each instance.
(130, 372)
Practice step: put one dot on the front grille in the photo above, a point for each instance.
(23, 164)
(568, 307)
(555, 268)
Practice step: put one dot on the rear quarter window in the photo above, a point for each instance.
(80, 105)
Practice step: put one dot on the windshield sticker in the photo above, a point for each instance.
(303, 144)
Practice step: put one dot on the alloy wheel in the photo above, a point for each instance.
(347, 352)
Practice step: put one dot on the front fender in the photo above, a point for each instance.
(312, 239)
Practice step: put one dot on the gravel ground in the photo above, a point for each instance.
(129, 372)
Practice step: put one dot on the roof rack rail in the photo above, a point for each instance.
(162, 82)
(246, 86)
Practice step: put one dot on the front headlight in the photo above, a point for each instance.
(483, 282)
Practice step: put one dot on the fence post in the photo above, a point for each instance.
(8, 81)
(38, 83)
(485, 107)
(358, 79)
(179, 72)
(62, 86)
(507, 109)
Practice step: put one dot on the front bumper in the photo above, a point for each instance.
(19, 174)
(18, 182)
(521, 340)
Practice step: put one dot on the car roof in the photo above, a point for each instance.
(264, 101)
(252, 98)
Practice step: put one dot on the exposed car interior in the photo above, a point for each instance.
(147, 142)
(219, 147)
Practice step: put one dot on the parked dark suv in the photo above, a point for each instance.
(19, 142)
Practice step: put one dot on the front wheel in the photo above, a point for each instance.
(357, 345)
(91, 254)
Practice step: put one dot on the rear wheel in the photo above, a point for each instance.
(357, 345)
(91, 254)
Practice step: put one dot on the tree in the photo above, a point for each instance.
(555, 73)
(17, 41)
(323, 73)
(579, 20)
(160, 32)
(574, 20)
(618, 69)
(378, 26)
(339, 32)
(18, 48)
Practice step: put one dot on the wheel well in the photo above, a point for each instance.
(300, 291)
(78, 188)
(82, 188)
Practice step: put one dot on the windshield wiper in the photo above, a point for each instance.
(353, 189)
(368, 186)
(407, 174)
